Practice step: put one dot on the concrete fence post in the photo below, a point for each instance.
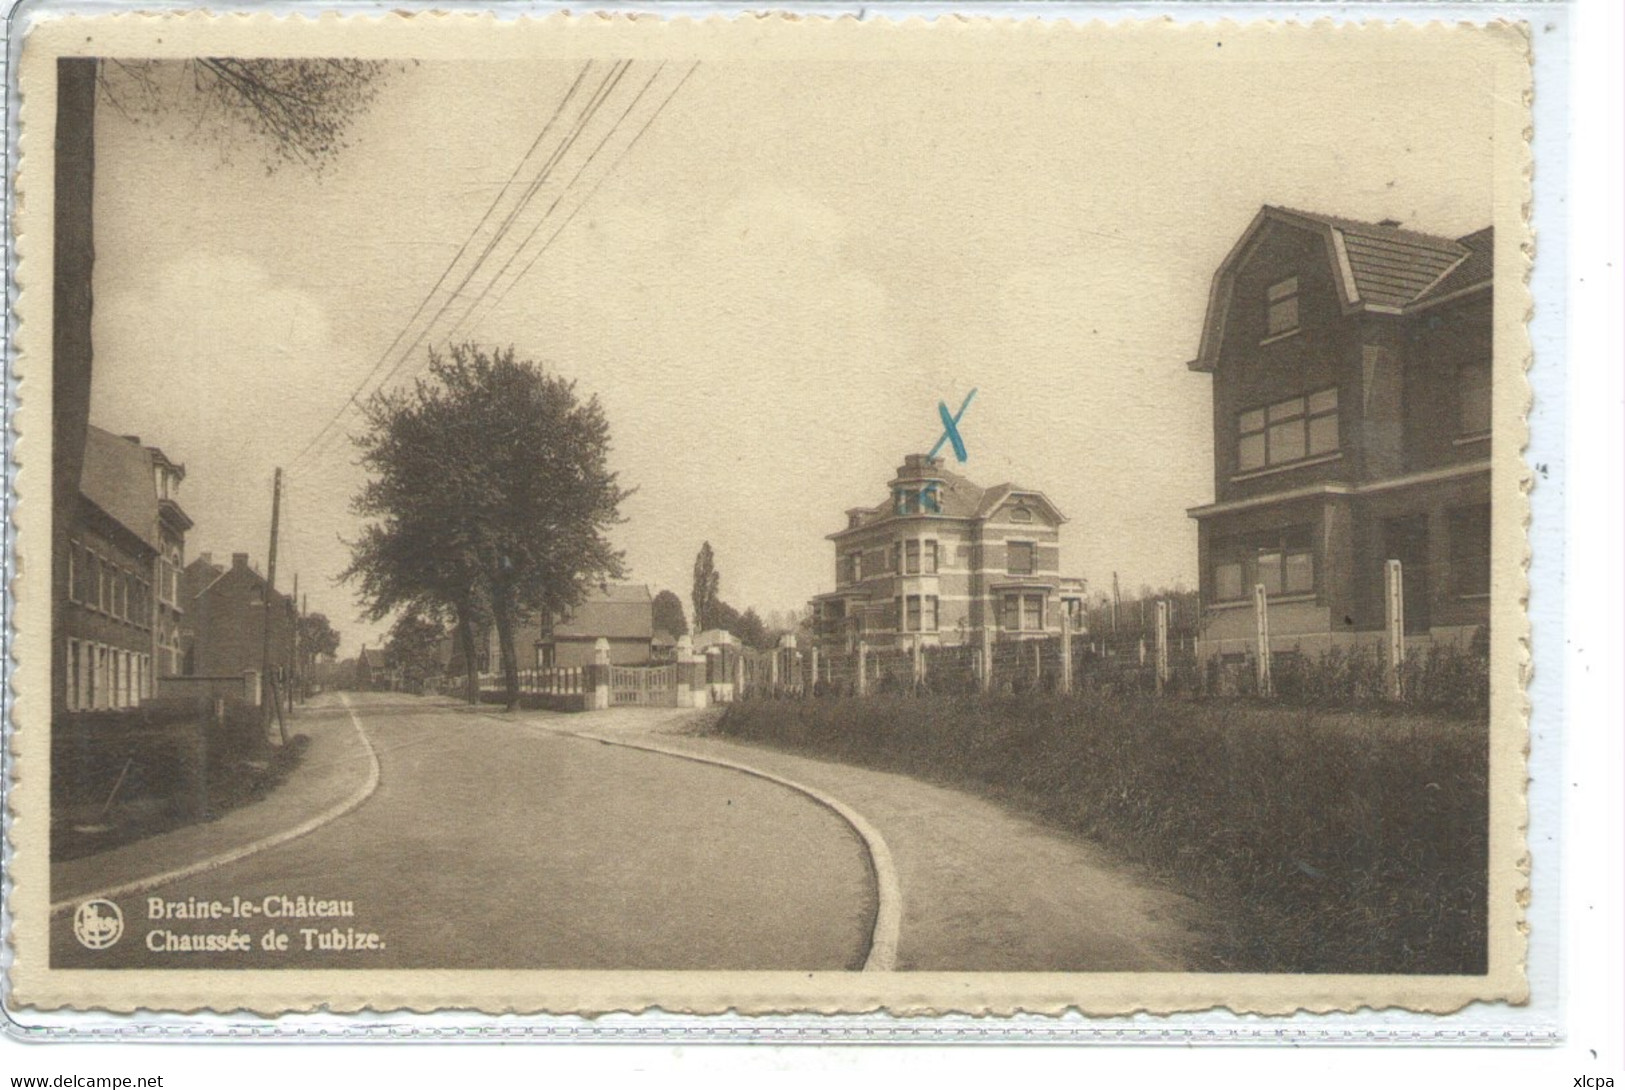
(1393, 625)
(1162, 645)
(597, 697)
(987, 659)
(251, 687)
(813, 663)
(863, 668)
(683, 672)
(1261, 620)
(1066, 653)
(919, 661)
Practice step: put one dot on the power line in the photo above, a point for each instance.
(461, 250)
(594, 191)
(605, 88)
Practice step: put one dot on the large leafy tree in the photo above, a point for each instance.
(493, 468)
(410, 561)
(668, 614)
(317, 636)
(413, 647)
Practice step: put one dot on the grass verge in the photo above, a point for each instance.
(1325, 841)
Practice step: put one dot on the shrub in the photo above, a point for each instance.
(1331, 842)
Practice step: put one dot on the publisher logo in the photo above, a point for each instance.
(98, 924)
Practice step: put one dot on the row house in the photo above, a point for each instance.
(1351, 373)
(942, 561)
(126, 541)
(226, 617)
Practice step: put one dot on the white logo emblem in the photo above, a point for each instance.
(98, 924)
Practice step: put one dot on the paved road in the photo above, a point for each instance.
(487, 845)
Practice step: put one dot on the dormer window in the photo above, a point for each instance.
(1283, 306)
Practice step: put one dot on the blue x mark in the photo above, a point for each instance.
(950, 428)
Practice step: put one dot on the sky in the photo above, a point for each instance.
(769, 293)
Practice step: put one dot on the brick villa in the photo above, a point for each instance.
(943, 561)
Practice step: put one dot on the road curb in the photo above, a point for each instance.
(888, 891)
(332, 813)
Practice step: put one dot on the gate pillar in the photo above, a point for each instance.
(596, 694)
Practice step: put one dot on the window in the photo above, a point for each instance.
(929, 614)
(1287, 431)
(1282, 560)
(913, 612)
(1470, 550)
(851, 570)
(1283, 306)
(1473, 398)
(1020, 557)
(929, 558)
(911, 557)
(71, 682)
(1023, 612)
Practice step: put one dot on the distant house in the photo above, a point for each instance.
(1351, 368)
(944, 561)
(623, 614)
(372, 670)
(227, 618)
(121, 624)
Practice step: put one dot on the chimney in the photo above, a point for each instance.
(1389, 223)
(207, 558)
(239, 560)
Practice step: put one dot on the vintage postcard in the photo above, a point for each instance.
(590, 513)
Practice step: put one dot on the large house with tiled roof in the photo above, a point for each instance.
(1351, 371)
(943, 561)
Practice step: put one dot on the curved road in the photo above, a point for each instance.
(486, 847)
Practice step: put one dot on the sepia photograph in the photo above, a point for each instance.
(575, 515)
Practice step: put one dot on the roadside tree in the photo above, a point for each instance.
(668, 614)
(495, 470)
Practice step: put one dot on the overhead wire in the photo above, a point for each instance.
(496, 202)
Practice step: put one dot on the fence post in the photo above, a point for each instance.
(1038, 662)
(987, 659)
(863, 668)
(813, 663)
(919, 661)
(1162, 645)
(1394, 628)
(251, 687)
(1066, 653)
(1261, 618)
(597, 697)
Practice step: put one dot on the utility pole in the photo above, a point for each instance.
(295, 670)
(274, 704)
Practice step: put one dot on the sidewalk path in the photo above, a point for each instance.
(983, 889)
(333, 768)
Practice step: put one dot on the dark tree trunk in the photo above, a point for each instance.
(502, 614)
(74, 259)
(465, 639)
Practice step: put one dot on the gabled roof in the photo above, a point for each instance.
(1378, 267)
(958, 497)
(613, 611)
(117, 477)
(372, 658)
